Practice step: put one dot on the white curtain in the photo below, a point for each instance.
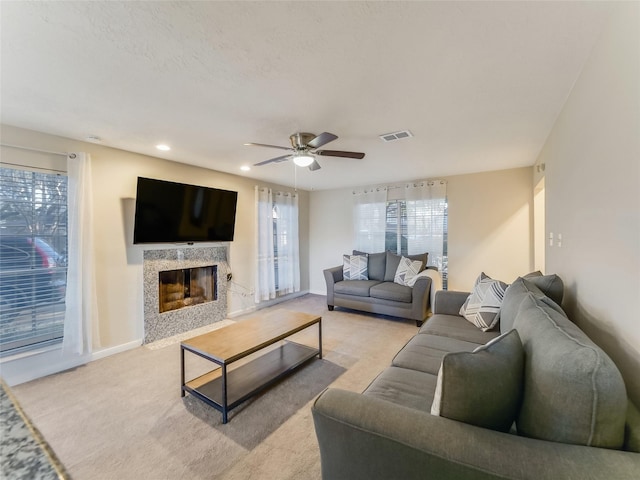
(287, 245)
(81, 316)
(426, 204)
(278, 268)
(370, 216)
(265, 277)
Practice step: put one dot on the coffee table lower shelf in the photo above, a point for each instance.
(249, 379)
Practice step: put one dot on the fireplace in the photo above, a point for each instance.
(194, 295)
(187, 286)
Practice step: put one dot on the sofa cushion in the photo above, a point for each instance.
(391, 291)
(406, 271)
(393, 261)
(377, 264)
(425, 352)
(573, 392)
(359, 288)
(551, 285)
(354, 267)
(513, 297)
(483, 304)
(405, 387)
(483, 387)
(458, 327)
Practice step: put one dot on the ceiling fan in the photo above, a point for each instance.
(304, 148)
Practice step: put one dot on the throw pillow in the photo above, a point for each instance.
(483, 304)
(514, 296)
(393, 261)
(551, 285)
(354, 267)
(376, 264)
(407, 269)
(483, 387)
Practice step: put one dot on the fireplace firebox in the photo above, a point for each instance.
(187, 286)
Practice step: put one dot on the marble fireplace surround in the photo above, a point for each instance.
(162, 325)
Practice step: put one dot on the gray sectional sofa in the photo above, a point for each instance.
(535, 400)
(380, 294)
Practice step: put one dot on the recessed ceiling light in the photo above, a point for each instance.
(163, 147)
(245, 168)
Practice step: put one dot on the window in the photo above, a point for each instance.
(428, 235)
(406, 220)
(278, 252)
(33, 246)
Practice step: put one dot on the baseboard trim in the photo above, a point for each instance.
(107, 352)
(318, 292)
(276, 301)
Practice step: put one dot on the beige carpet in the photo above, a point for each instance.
(122, 417)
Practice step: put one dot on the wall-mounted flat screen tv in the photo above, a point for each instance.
(169, 212)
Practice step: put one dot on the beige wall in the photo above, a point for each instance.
(118, 261)
(592, 179)
(490, 227)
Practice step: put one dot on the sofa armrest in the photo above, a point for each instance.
(448, 302)
(363, 437)
(331, 276)
(420, 298)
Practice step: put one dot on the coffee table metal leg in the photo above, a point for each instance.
(224, 394)
(320, 339)
(181, 371)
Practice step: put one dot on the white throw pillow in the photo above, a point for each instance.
(355, 267)
(483, 304)
(407, 269)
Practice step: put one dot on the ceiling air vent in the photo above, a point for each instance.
(390, 137)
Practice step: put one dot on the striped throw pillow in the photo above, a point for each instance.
(407, 269)
(483, 304)
(355, 267)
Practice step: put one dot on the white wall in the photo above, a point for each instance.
(490, 227)
(118, 261)
(592, 178)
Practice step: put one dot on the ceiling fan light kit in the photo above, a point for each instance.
(303, 159)
(304, 148)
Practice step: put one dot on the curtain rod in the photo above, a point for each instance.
(33, 167)
(404, 185)
(63, 154)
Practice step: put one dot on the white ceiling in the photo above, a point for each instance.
(479, 84)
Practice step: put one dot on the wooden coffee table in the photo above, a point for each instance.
(225, 389)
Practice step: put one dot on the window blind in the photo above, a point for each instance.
(33, 245)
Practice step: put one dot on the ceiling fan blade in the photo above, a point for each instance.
(338, 153)
(273, 160)
(269, 146)
(321, 140)
(314, 166)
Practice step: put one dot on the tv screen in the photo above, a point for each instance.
(169, 212)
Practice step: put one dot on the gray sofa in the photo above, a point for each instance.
(572, 419)
(380, 294)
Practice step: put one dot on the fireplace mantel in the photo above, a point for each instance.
(161, 325)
